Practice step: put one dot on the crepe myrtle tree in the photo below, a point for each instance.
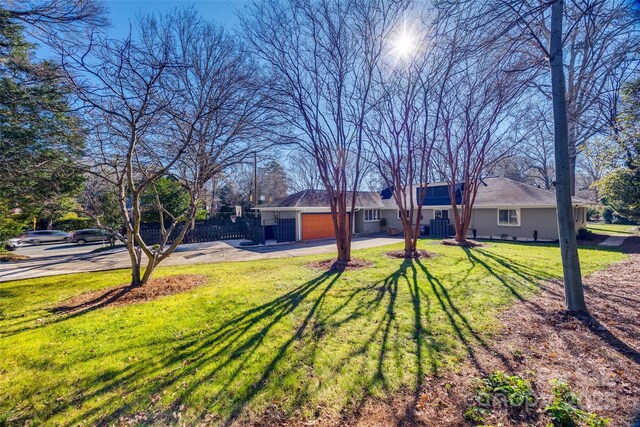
(476, 125)
(402, 128)
(322, 56)
(173, 102)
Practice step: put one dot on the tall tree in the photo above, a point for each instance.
(534, 31)
(178, 101)
(574, 294)
(476, 128)
(40, 137)
(323, 55)
(57, 22)
(403, 126)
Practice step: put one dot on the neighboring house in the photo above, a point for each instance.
(502, 207)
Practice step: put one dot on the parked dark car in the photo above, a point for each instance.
(91, 235)
(44, 236)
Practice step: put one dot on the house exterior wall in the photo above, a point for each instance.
(268, 217)
(484, 220)
(580, 216)
(394, 222)
(362, 226)
(391, 215)
(544, 220)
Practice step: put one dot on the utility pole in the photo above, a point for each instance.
(255, 178)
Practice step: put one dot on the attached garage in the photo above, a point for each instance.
(318, 226)
(310, 210)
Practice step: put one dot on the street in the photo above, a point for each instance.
(64, 258)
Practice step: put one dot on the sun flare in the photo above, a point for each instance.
(404, 44)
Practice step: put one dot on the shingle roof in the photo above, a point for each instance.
(320, 198)
(505, 191)
(502, 192)
(497, 192)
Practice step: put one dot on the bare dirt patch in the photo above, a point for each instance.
(126, 295)
(465, 244)
(330, 265)
(420, 253)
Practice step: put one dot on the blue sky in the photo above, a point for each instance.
(121, 12)
(124, 12)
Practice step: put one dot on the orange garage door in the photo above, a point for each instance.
(317, 226)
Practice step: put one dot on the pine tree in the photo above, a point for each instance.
(40, 138)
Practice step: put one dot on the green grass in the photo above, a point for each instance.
(260, 335)
(612, 228)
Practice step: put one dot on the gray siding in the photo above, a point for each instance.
(394, 222)
(268, 217)
(485, 221)
(362, 226)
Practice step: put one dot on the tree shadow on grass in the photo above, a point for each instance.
(225, 354)
(224, 351)
(470, 338)
(275, 348)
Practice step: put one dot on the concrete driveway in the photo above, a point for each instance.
(49, 260)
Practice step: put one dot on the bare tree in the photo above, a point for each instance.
(175, 103)
(536, 29)
(574, 293)
(323, 56)
(302, 172)
(475, 128)
(538, 146)
(600, 42)
(403, 127)
(51, 21)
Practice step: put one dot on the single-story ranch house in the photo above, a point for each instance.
(503, 207)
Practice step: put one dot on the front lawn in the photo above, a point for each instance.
(601, 228)
(260, 337)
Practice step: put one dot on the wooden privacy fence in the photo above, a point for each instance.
(439, 228)
(206, 231)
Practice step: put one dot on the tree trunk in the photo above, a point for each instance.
(574, 294)
(573, 154)
(408, 242)
(343, 243)
(135, 274)
(148, 271)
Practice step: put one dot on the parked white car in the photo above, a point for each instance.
(45, 236)
(13, 244)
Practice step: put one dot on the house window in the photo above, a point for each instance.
(509, 217)
(441, 214)
(371, 215)
(406, 214)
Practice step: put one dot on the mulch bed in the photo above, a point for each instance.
(465, 244)
(330, 265)
(420, 253)
(122, 295)
(593, 240)
(11, 257)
